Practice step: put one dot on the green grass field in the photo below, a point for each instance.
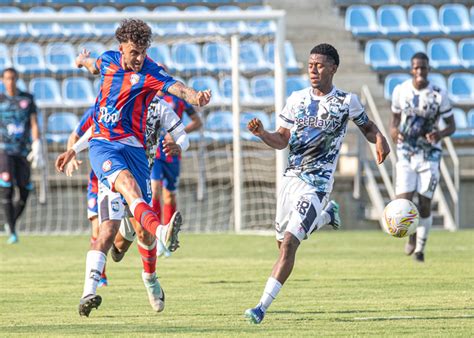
(343, 284)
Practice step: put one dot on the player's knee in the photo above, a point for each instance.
(424, 207)
(6, 195)
(289, 245)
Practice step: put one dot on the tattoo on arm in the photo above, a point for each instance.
(184, 92)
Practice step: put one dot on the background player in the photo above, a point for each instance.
(417, 106)
(313, 123)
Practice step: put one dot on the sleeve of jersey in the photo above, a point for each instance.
(286, 119)
(158, 79)
(357, 111)
(396, 109)
(85, 122)
(445, 108)
(102, 61)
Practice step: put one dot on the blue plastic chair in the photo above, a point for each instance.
(225, 87)
(218, 126)
(392, 21)
(406, 48)
(438, 80)
(60, 57)
(5, 60)
(12, 30)
(160, 53)
(77, 91)
(28, 58)
(360, 20)
(78, 29)
(200, 28)
(245, 117)
(230, 27)
(391, 81)
(216, 56)
(207, 82)
(470, 118)
(296, 83)
(60, 125)
(454, 19)
(461, 88)
(443, 54)
(380, 55)
(44, 30)
(260, 27)
(187, 58)
(135, 9)
(104, 30)
(290, 58)
(251, 58)
(95, 48)
(262, 88)
(167, 28)
(462, 125)
(466, 52)
(46, 92)
(423, 20)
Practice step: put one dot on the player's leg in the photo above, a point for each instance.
(156, 186)
(123, 239)
(6, 195)
(170, 187)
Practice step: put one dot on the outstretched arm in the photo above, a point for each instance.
(196, 98)
(373, 135)
(277, 140)
(84, 60)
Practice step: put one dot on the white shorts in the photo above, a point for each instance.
(417, 174)
(299, 208)
(111, 206)
(126, 229)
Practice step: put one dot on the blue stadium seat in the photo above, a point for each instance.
(380, 55)
(187, 58)
(60, 125)
(135, 9)
(392, 21)
(44, 30)
(461, 88)
(104, 30)
(95, 48)
(77, 91)
(391, 81)
(262, 88)
(443, 54)
(260, 27)
(5, 60)
(225, 86)
(360, 20)
(466, 52)
(46, 92)
(218, 126)
(290, 62)
(295, 83)
(406, 48)
(78, 29)
(216, 56)
(470, 118)
(251, 57)
(160, 52)
(438, 80)
(454, 19)
(60, 57)
(28, 58)
(199, 28)
(423, 20)
(472, 17)
(167, 28)
(207, 82)
(12, 30)
(245, 117)
(230, 27)
(462, 124)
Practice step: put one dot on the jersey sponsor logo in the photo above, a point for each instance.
(107, 165)
(24, 104)
(134, 78)
(91, 203)
(315, 122)
(106, 117)
(15, 129)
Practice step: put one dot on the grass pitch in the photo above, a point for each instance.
(343, 284)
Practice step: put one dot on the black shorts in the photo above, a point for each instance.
(14, 170)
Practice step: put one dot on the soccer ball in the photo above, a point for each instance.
(400, 217)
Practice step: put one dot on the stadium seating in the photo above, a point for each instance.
(260, 27)
(60, 125)
(262, 88)
(466, 52)
(28, 58)
(438, 80)
(216, 56)
(470, 119)
(5, 60)
(187, 58)
(135, 9)
(290, 58)
(104, 30)
(406, 48)
(454, 19)
(95, 48)
(199, 28)
(229, 27)
(218, 126)
(159, 52)
(82, 30)
(295, 83)
(423, 20)
(207, 82)
(360, 20)
(392, 21)
(461, 124)
(48, 30)
(461, 88)
(194, 136)
(60, 57)
(391, 81)
(167, 28)
(46, 92)
(245, 117)
(251, 58)
(380, 55)
(225, 86)
(77, 91)
(443, 54)
(11, 30)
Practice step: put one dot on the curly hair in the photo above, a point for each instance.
(134, 30)
(328, 50)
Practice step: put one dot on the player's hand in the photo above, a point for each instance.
(83, 55)
(64, 159)
(203, 97)
(36, 155)
(170, 147)
(382, 149)
(255, 126)
(72, 166)
(433, 137)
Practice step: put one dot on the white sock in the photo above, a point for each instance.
(269, 293)
(323, 220)
(95, 262)
(422, 232)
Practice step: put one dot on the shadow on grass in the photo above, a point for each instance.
(379, 319)
(373, 311)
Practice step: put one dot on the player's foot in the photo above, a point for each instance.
(13, 239)
(171, 240)
(161, 248)
(116, 254)
(88, 303)
(411, 244)
(333, 210)
(419, 257)
(103, 282)
(156, 295)
(255, 315)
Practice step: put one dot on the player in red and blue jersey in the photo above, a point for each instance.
(166, 169)
(128, 82)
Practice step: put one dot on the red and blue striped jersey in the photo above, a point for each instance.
(124, 96)
(179, 106)
(86, 121)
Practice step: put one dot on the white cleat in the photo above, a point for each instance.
(156, 295)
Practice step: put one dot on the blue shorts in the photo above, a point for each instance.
(166, 172)
(109, 158)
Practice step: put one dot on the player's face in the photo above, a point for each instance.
(321, 70)
(133, 56)
(419, 71)
(9, 81)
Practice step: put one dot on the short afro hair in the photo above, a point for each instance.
(10, 69)
(328, 50)
(135, 31)
(420, 56)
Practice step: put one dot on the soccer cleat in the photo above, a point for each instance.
(116, 254)
(411, 244)
(161, 248)
(255, 315)
(88, 303)
(419, 257)
(171, 241)
(103, 282)
(333, 210)
(156, 295)
(13, 239)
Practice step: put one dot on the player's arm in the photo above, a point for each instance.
(36, 154)
(277, 140)
(63, 159)
(196, 121)
(84, 60)
(448, 118)
(178, 142)
(394, 127)
(74, 164)
(373, 135)
(188, 94)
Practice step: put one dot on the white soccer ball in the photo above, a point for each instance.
(400, 217)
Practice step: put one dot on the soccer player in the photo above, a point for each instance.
(313, 123)
(417, 106)
(18, 125)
